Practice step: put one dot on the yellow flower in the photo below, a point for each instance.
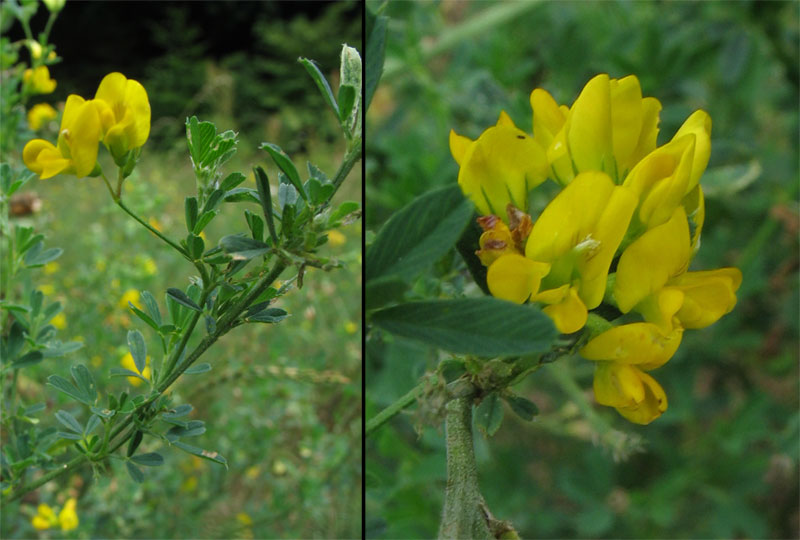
(335, 238)
(635, 394)
(124, 114)
(128, 363)
(568, 252)
(499, 168)
(609, 128)
(652, 278)
(132, 296)
(47, 289)
(350, 327)
(68, 518)
(45, 518)
(279, 468)
(59, 321)
(76, 150)
(149, 266)
(642, 344)
(38, 80)
(153, 222)
(40, 114)
(51, 268)
(244, 519)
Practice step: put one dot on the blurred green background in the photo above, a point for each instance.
(282, 403)
(722, 462)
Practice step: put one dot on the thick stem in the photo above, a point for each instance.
(463, 515)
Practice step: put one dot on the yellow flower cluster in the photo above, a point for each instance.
(119, 116)
(623, 229)
(45, 517)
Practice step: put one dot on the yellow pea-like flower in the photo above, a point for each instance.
(40, 114)
(38, 81)
(68, 518)
(499, 168)
(636, 395)
(124, 111)
(45, 518)
(76, 149)
(652, 278)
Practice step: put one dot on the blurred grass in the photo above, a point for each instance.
(722, 462)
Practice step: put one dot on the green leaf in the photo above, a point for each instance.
(213, 200)
(199, 452)
(728, 180)
(256, 225)
(150, 459)
(37, 257)
(144, 316)
(198, 368)
(28, 359)
(151, 306)
(522, 407)
(134, 443)
(92, 424)
(104, 413)
(285, 164)
(479, 326)
(177, 412)
(243, 248)
(375, 52)
(192, 429)
(204, 219)
(231, 181)
(242, 195)
(195, 245)
(269, 315)
(316, 172)
(418, 235)
(68, 435)
(135, 472)
(122, 372)
(56, 348)
(84, 381)
(180, 297)
(344, 209)
(347, 98)
(69, 421)
(264, 195)
(63, 385)
(489, 415)
(321, 82)
(138, 349)
(190, 211)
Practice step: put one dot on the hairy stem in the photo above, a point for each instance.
(463, 515)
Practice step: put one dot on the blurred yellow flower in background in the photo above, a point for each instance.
(335, 238)
(132, 296)
(40, 114)
(350, 327)
(38, 80)
(128, 363)
(45, 517)
(59, 321)
(51, 268)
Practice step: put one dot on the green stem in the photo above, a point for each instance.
(394, 409)
(176, 353)
(463, 515)
(153, 230)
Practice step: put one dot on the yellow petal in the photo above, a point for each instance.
(695, 207)
(458, 146)
(570, 314)
(618, 385)
(651, 108)
(636, 343)
(515, 278)
(548, 118)
(651, 260)
(68, 518)
(84, 137)
(660, 307)
(505, 120)
(126, 96)
(559, 160)
(708, 295)
(569, 217)
(500, 168)
(651, 407)
(699, 124)
(589, 127)
(43, 158)
(626, 118)
(608, 232)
